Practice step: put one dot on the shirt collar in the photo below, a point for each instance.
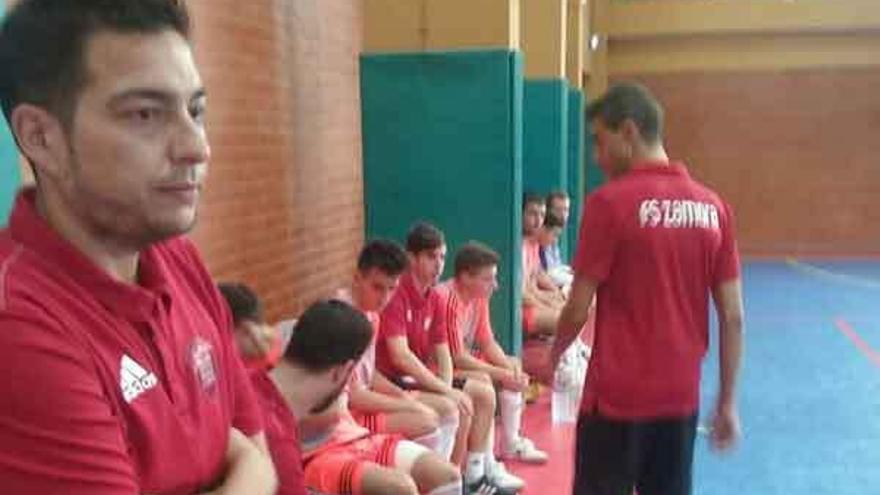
(133, 302)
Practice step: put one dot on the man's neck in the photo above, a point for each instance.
(655, 154)
(295, 391)
(421, 286)
(357, 298)
(462, 293)
(119, 262)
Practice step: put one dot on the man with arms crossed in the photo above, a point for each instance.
(120, 374)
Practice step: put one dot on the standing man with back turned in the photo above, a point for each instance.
(654, 244)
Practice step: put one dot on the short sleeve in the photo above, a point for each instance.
(393, 318)
(597, 240)
(484, 324)
(452, 321)
(727, 265)
(438, 334)
(58, 430)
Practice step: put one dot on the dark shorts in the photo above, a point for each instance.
(614, 457)
(407, 383)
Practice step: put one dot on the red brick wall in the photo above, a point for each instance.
(795, 152)
(283, 210)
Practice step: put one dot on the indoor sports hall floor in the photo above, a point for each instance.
(809, 391)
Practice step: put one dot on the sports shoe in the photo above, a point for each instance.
(522, 449)
(485, 486)
(498, 475)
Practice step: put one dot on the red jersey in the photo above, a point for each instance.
(413, 314)
(112, 388)
(656, 242)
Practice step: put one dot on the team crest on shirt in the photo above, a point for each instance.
(201, 355)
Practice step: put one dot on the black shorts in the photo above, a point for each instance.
(613, 457)
(407, 383)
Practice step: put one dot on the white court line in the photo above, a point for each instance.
(825, 274)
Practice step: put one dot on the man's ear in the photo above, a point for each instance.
(630, 131)
(342, 371)
(42, 139)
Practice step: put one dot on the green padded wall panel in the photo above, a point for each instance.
(442, 136)
(576, 167)
(9, 172)
(545, 137)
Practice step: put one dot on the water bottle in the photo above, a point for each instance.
(563, 407)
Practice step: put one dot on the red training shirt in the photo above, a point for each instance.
(112, 388)
(657, 242)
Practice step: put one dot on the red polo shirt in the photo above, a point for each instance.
(413, 314)
(657, 242)
(281, 434)
(112, 388)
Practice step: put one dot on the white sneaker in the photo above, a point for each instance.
(522, 449)
(498, 475)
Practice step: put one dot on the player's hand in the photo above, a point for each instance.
(725, 428)
(518, 372)
(513, 382)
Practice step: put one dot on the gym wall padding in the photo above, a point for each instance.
(545, 136)
(442, 136)
(576, 167)
(9, 168)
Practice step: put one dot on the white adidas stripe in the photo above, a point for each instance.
(134, 380)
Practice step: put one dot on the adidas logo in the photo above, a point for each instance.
(134, 379)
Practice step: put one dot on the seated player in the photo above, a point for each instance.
(558, 273)
(260, 348)
(542, 300)
(558, 205)
(474, 348)
(341, 456)
(375, 401)
(412, 349)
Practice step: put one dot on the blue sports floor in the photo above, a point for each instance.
(809, 390)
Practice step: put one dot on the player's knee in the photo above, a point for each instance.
(431, 472)
(446, 473)
(446, 408)
(481, 377)
(397, 483)
(425, 422)
(482, 394)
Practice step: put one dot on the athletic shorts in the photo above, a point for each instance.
(614, 456)
(376, 422)
(339, 469)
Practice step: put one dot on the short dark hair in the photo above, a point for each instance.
(42, 45)
(530, 197)
(554, 195)
(384, 255)
(629, 101)
(552, 220)
(473, 256)
(329, 333)
(242, 301)
(424, 237)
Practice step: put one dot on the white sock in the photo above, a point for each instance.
(432, 440)
(476, 466)
(447, 430)
(453, 488)
(511, 415)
